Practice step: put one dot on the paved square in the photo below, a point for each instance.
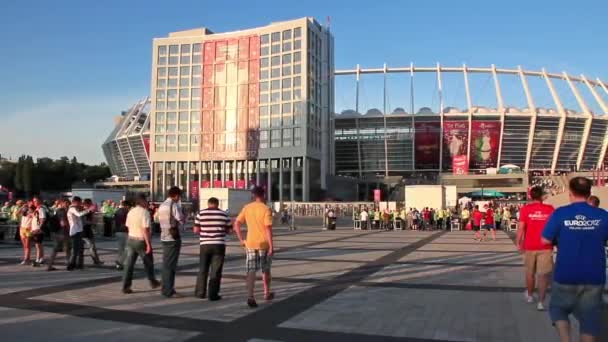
(341, 285)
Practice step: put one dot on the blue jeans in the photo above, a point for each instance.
(170, 258)
(137, 248)
(583, 301)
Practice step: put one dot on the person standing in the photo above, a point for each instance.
(38, 221)
(489, 222)
(363, 219)
(170, 217)
(580, 233)
(211, 224)
(108, 211)
(594, 201)
(538, 257)
(60, 233)
(120, 230)
(25, 232)
(75, 215)
(259, 244)
(477, 217)
(464, 217)
(139, 244)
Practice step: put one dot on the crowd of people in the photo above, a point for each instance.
(69, 223)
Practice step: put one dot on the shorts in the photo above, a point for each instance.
(25, 233)
(258, 259)
(489, 226)
(583, 301)
(476, 228)
(38, 237)
(538, 262)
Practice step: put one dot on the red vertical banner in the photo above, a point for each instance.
(241, 184)
(229, 184)
(194, 189)
(426, 139)
(147, 146)
(377, 195)
(485, 138)
(220, 51)
(206, 184)
(209, 53)
(254, 47)
(217, 183)
(460, 165)
(455, 141)
(243, 49)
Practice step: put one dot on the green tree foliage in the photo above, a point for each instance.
(26, 177)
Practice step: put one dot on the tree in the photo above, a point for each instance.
(18, 176)
(28, 174)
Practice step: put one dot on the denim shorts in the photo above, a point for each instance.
(582, 301)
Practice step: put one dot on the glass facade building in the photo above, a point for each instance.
(241, 108)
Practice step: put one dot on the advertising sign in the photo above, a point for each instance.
(377, 195)
(485, 138)
(194, 189)
(460, 165)
(455, 140)
(426, 139)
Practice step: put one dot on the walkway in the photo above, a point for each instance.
(339, 285)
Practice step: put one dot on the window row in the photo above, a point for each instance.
(177, 143)
(174, 105)
(174, 94)
(278, 48)
(284, 59)
(278, 72)
(287, 119)
(278, 96)
(286, 137)
(175, 49)
(175, 60)
(276, 36)
(163, 72)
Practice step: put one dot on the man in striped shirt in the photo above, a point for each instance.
(212, 225)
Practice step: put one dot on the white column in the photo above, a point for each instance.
(501, 110)
(469, 110)
(562, 121)
(533, 113)
(585, 109)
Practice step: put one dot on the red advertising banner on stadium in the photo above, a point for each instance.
(241, 184)
(229, 184)
(455, 140)
(426, 139)
(147, 146)
(194, 189)
(377, 195)
(206, 184)
(485, 138)
(217, 183)
(460, 165)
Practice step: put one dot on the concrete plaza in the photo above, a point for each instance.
(341, 285)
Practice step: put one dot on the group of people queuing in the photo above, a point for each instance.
(412, 218)
(131, 223)
(578, 233)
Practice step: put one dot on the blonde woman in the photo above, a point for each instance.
(25, 232)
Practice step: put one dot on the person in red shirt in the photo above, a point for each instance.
(477, 216)
(489, 222)
(538, 256)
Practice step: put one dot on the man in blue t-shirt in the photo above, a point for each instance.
(580, 232)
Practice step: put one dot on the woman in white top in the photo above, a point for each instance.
(25, 232)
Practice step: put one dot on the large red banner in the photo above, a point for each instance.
(485, 138)
(194, 189)
(455, 141)
(377, 195)
(460, 165)
(426, 139)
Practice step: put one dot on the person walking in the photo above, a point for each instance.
(60, 233)
(75, 221)
(538, 257)
(120, 230)
(108, 211)
(25, 232)
(489, 222)
(88, 235)
(259, 244)
(211, 224)
(580, 233)
(477, 217)
(139, 244)
(170, 216)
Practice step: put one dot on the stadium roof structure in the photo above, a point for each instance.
(127, 149)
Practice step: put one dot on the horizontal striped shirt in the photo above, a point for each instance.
(213, 224)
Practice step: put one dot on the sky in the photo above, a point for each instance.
(68, 67)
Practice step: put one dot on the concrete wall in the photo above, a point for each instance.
(421, 196)
(563, 199)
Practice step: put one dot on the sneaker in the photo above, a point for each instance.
(540, 306)
(154, 284)
(529, 299)
(51, 268)
(252, 303)
(40, 261)
(24, 262)
(35, 264)
(127, 291)
(215, 299)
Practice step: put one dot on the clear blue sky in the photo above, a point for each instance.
(68, 67)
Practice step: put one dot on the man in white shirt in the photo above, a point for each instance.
(139, 244)
(170, 218)
(363, 217)
(75, 214)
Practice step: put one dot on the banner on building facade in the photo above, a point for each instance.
(460, 165)
(485, 138)
(426, 139)
(455, 141)
(194, 189)
(377, 195)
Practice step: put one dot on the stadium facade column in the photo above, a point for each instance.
(412, 108)
(281, 183)
(292, 180)
(269, 181)
(604, 107)
(357, 80)
(469, 109)
(305, 182)
(587, 113)
(533, 115)
(501, 111)
(441, 116)
(562, 120)
(384, 110)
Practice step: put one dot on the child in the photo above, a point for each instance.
(25, 232)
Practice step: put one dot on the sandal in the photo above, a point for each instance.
(252, 303)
